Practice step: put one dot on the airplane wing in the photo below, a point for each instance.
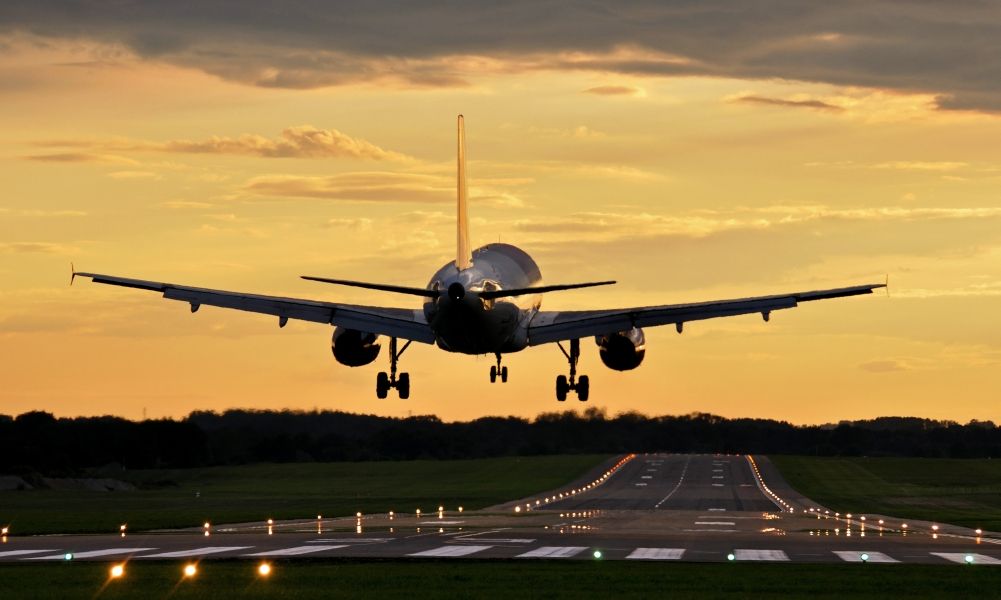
(552, 326)
(402, 323)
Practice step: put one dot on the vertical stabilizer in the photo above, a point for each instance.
(463, 253)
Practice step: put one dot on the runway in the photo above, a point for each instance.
(703, 508)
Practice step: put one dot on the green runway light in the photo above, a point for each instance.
(68, 556)
(864, 557)
(730, 556)
(969, 559)
(597, 554)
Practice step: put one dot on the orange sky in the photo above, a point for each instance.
(684, 186)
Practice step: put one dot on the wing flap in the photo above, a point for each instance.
(549, 327)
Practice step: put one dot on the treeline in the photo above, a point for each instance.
(37, 442)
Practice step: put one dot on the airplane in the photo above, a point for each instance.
(486, 301)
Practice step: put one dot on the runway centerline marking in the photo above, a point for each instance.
(681, 479)
(731, 523)
(351, 540)
(91, 553)
(751, 554)
(452, 551)
(646, 476)
(856, 556)
(197, 551)
(553, 552)
(960, 557)
(656, 554)
(297, 550)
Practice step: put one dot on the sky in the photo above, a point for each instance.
(690, 150)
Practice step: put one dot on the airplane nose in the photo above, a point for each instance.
(456, 292)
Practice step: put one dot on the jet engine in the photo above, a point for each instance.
(622, 351)
(354, 348)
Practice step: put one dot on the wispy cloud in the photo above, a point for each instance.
(614, 90)
(886, 366)
(785, 102)
(35, 248)
(80, 157)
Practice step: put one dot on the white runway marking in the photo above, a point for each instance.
(297, 550)
(10, 553)
(874, 557)
(745, 554)
(91, 553)
(553, 552)
(640, 484)
(656, 554)
(646, 476)
(717, 470)
(716, 509)
(960, 557)
(731, 523)
(680, 481)
(452, 551)
(717, 485)
(712, 530)
(197, 551)
(717, 477)
(499, 540)
(351, 540)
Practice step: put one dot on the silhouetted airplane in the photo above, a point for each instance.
(485, 302)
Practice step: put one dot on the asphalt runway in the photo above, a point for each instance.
(647, 507)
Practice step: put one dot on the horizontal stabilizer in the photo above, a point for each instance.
(489, 295)
(377, 286)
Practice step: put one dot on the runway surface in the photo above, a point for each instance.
(647, 507)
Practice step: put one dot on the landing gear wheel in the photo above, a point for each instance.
(562, 387)
(403, 386)
(583, 388)
(493, 374)
(503, 374)
(382, 385)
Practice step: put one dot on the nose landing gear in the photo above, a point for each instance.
(498, 370)
(384, 382)
(563, 385)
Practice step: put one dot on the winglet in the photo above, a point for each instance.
(887, 285)
(463, 253)
(72, 273)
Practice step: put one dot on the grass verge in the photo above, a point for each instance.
(188, 497)
(958, 491)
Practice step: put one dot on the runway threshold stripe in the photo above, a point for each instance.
(92, 553)
(656, 554)
(745, 554)
(12, 553)
(297, 550)
(960, 557)
(874, 557)
(197, 551)
(553, 552)
(452, 551)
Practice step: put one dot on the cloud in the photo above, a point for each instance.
(304, 141)
(885, 366)
(184, 204)
(943, 49)
(614, 90)
(35, 248)
(810, 103)
(361, 224)
(374, 186)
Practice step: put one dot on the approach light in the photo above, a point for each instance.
(934, 527)
(68, 556)
(730, 556)
(904, 526)
(117, 571)
(460, 509)
(264, 569)
(864, 557)
(358, 514)
(190, 570)
(980, 531)
(969, 559)
(597, 554)
(517, 509)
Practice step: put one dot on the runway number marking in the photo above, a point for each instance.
(91, 553)
(553, 552)
(197, 551)
(745, 554)
(452, 551)
(960, 557)
(297, 550)
(874, 557)
(656, 554)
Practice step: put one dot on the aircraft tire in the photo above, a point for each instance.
(381, 385)
(583, 388)
(503, 374)
(493, 374)
(562, 387)
(403, 386)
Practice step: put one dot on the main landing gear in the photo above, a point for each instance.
(384, 382)
(582, 386)
(498, 370)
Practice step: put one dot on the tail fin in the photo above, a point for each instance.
(463, 253)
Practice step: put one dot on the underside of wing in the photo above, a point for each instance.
(402, 323)
(551, 326)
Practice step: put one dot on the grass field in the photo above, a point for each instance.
(492, 579)
(958, 491)
(187, 498)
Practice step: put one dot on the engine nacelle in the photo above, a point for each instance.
(354, 348)
(622, 351)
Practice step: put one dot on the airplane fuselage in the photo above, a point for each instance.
(464, 322)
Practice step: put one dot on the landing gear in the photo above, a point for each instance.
(563, 385)
(498, 370)
(384, 382)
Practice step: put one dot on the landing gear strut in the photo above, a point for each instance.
(384, 382)
(582, 386)
(498, 370)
